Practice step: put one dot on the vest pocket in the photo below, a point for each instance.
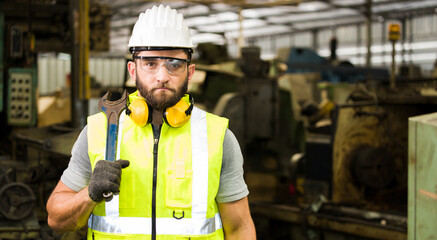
(178, 189)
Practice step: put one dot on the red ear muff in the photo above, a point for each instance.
(179, 114)
(140, 112)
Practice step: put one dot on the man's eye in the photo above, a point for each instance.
(174, 64)
(150, 63)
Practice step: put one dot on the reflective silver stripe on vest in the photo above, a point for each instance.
(167, 226)
(198, 224)
(199, 152)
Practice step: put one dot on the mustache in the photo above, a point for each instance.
(163, 85)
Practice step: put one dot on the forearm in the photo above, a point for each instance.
(244, 232)
(236, 219)
(68, 210)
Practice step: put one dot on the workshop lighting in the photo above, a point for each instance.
(329, 22)
(232, 26)
(422, 45)
(221, 7)
(417, 53)
(263, 12)
(350, 51)
(259, 31)
(199, 21)
(225, 16)
(355, 2)
(404, 6)
(337, 13)
(313, 6)
(378, 59)
(194, 10)
(208, 37)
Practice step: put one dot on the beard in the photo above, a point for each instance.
(163, 100)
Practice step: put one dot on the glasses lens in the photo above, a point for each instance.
(175, 66)
(153, 64)
(150, 64)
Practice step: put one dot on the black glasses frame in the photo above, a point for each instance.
(168, 58)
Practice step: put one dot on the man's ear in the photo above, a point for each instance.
(131, 69)
(191, 69)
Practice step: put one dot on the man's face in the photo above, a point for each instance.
(161, 89)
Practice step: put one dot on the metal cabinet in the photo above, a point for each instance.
(422, 177)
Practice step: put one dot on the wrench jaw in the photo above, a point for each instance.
(115, 106)
(112, 111)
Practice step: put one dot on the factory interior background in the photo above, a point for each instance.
(333, 102)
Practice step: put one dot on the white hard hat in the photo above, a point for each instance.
(160, 28)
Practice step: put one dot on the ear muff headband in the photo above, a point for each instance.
(175, 116)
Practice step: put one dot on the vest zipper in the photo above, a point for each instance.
(155, 170)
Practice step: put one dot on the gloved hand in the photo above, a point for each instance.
(105, 178)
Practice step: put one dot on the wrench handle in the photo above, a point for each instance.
(111, 139)
(112, 110)
(111, 147)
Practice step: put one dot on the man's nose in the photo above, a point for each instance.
(162, 74)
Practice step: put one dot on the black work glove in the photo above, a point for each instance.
(105, 178)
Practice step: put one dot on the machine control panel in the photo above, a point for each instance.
(21, 97)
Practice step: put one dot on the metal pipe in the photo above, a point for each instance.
(240, 31)
(403, 39)
(400, 220)
(315, 39)
(369, 33)
(383, 41)
(79, 105)
(359, 41)
(393, 65)
(410, 52)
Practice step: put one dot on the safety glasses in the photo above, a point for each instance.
(174, 66)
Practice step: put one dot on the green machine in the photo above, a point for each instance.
(422, 177)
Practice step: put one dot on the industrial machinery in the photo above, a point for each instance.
(33, 158)
(422, 197)
(364, 160)
(255, 116)
(335, 168)
(17, 203)
(305, 60)
(370, 146)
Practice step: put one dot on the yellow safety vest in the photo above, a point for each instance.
(179, 202)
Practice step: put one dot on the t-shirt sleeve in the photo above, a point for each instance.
(77, 175)
(232, 185)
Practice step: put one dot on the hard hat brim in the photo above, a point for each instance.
(135, 49)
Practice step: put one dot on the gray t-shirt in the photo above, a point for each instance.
(232, 186)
